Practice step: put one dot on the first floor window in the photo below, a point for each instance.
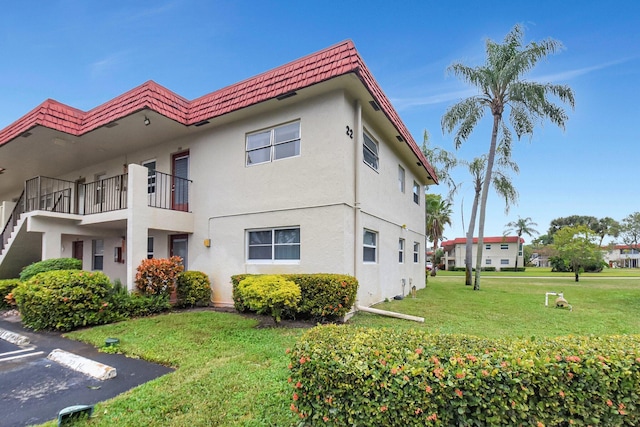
(149, 247)
(504, 262)
(276, 244)
(416, 252)
(487, 261)
(370, 151)
(401, 251)
(273, 144)
(370, 245)
(98, 255)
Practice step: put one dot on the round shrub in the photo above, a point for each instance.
(193, 289)
(6, 288)
(269, 294)
(50, 265)
(157, 276)
(64, 300)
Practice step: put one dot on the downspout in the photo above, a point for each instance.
(357, 156)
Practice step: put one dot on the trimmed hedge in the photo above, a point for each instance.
(269, 294)
(6, 287)
(50, 265)
(380, 377)
(64, 300)
(193, 289)
(513, 269)
(323, 296)
(473, 269)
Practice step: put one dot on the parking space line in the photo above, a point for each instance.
(21, 356)
(7, 353)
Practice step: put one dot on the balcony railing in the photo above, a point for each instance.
(105, 195)
(168, 191)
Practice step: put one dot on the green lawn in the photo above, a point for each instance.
(230, 373)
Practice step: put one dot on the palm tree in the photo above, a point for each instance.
(520, 227)
(438, 216)
(501, 87)
(442, 162)
(501, 184)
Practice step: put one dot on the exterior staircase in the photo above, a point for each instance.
(18, 248)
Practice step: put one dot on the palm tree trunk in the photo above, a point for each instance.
(483, 200)
(518, 252)
(468, 261)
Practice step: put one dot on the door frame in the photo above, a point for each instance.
(174, 157)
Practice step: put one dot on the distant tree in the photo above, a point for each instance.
(438, 217)
(541, 240)
(607, 226)
(578, 248)
(572, 221)
(501, 184)
(502, 88)
(520, 227)
(442, 162)
(630, 231)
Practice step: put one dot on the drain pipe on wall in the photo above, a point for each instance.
(390, 314)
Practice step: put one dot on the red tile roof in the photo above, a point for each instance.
(501, 239)
(318, 67)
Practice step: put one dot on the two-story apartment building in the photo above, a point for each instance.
(623, 256)
(499, 252)
(305, 168)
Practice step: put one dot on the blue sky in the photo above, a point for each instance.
(84, 53)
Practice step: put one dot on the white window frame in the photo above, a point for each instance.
(487, 261)
(504, 261)
(97, 253)
(373, 246)
(273, 144)
(369, 145)
(151, 175)
(401, 178)
(416, 193)
(273, 246)
(416, 252)
(487, 246)
(504, 246)
(401, 251)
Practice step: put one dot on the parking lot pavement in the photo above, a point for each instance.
(33, 389)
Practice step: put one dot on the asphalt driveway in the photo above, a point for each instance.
(33, 389)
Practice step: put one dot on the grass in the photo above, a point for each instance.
(230, 373)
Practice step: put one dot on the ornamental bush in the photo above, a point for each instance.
(157, 276)
(193, 289)
(6, 288)
(64, 299)
(269, 294)
(50, 265)
(356, 376)
(322, 296)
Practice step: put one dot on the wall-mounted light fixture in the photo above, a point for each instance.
(147, 122)
(2, 170)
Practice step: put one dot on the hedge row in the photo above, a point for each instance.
(50, 265)
(355, 376)
(473, 269)
(323, 296)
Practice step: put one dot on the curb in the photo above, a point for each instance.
(13, 338)
(82, 364)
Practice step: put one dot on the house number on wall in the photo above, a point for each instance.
(349, 132)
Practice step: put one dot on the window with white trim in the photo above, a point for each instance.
(504, 246)
(401, 251)
(401, 178)
(97, 249)
(370, 246)
(151, 175)
(416, 193)
(487, 247)
(274, 244)
(272, 144)
(487, 261)
(370, 151)
(416, 252)
(504, 262)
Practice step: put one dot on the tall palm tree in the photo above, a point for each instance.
(501, 184)
(502, 88)
(520, 227)
(438, 217)
(442, 162)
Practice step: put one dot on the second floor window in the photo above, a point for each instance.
(416, 193)
(272, 144)
(370, 151)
